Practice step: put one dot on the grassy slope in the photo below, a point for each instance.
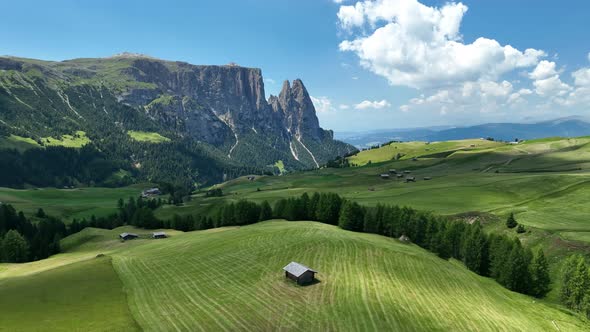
(19, 143)
(69, 203)
(85, 296)
(142, 136)
(552, 204)
(231, 279)
(553, 199)
(409, 150)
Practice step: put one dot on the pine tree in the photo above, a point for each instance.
(14, 248)
(313, 206)
(351, 216)
(569, 271)
(580, 284)
(517, 274)
(540, 274)
(586, 305)
(475, 250)
(265, 211)
(511, 222)
(40, 213)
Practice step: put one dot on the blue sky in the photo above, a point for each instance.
(368, 65)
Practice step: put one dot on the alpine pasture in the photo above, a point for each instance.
(544, 182)
(207, 280)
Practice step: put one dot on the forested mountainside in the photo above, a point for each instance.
(149, 119)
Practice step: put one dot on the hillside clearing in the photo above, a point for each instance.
(149, 137)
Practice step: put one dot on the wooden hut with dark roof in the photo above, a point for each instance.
(128, 236)
(299, 273)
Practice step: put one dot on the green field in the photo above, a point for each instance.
(143, 136)
(409, 150)
(545, 182)
(69, 203)
(77, 140)
(231, 279)
(86, 295)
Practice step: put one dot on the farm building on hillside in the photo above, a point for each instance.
(159, 235)
(426, 178)
(150, 192)
(251, 178)
(299, 273)
(410, 179)
(384, 176)
(392, 171)
(399, 176)
(128, 236)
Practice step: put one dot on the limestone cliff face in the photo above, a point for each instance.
(224, 106)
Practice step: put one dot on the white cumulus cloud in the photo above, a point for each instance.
(367, 104)
(582, 77)
(547, 81)
(414, 45)
(470, 97)
(322, 104)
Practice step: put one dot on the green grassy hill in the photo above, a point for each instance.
(84, 296)
(232, 279)
(69, 203)
(545, 182)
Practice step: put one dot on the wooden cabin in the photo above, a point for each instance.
(411, 179)
(426, 178)
(384, 176)
(299, 273)
(159, 235)
(128, 236)
(393, 171)
(150, 192)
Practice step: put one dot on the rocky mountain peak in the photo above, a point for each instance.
(300, 114)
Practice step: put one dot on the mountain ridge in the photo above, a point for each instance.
(221, 108)
(572, 126)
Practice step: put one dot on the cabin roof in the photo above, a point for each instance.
(159, 233)
(297, 269)
(127, 234)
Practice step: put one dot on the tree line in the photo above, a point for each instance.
(57, 166)
(22, 240)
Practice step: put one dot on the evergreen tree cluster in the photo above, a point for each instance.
(58, 166)
(22, 240)
(575, 286)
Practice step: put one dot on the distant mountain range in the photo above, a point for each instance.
(563, 127)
